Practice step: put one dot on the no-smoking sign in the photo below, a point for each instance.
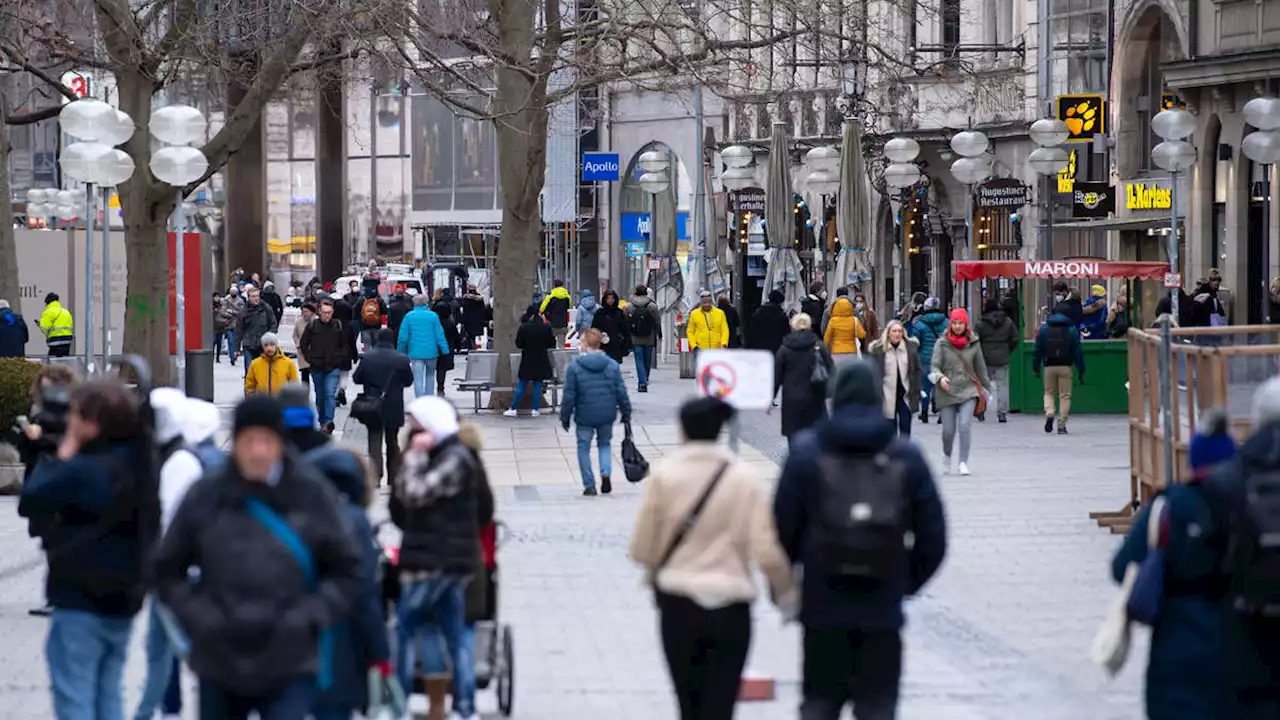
(742, 378)
(717, 379)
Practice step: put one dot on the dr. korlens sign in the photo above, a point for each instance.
(599, 167)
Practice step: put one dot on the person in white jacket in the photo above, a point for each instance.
(185, 429)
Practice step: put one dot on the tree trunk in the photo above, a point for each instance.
(9, 289)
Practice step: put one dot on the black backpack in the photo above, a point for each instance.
(862, 517)
(1256, 545)
(641, 321)
(1057, 345)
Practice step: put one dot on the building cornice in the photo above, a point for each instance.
(1225, 69)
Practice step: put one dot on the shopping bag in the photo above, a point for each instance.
(633, 463)
(386, 698)
(1111, 644)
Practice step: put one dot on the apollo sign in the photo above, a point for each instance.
(600, 167)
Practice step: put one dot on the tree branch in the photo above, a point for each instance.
(33, 117)
(37, 72)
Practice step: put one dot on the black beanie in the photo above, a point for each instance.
(701, 419)
(856, 384)
(259, 411)
(776, 297)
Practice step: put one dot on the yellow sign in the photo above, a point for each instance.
(1141, 196)
(1169, 101)
(1067, 178)
(114, 202)
(1085, 116)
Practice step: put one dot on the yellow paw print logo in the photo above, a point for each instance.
(1081, 117)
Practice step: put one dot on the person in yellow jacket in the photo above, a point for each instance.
(57, 327)
(844, 331)
(708, 327)
(270, 371)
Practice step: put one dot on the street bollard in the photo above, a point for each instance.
(688, 365)
(199, 374)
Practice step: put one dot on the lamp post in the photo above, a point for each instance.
(823, 163)
(1047, 160)
(1174, 155)
(973, 166)
(901, 174)
(738, 176)
(1262, 146)
(654, 181)
(179, 165)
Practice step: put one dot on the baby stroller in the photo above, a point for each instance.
(494, 643)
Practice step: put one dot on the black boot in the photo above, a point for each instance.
(1001, 417)
(606, 484)
(341, 399)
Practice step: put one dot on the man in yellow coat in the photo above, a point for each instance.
(708, 327)
(270, 371)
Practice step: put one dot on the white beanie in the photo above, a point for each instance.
(1266, 403)
(169, 405)
(435, 414)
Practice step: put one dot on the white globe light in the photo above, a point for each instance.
(179, 164)
(65, 212)
(971, 170)
(1174, 155)
(117, 130)
(737, 178)
(654, 182)
(86, 118)
(653, 161)
(1173, 124)
(36, 209)
(66, 197)
(178, 125)
(823, 158)
(1262, 146)
(38, 195)
(117, 166)
(901, 150)
(902, 175)
(80, 160)
(737, 156)
(1048, 132)
(969, 143)
(1263, 113)
(823, 182)
(1048, 160)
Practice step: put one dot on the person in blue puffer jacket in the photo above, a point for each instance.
(594, 394)
(422, 339)
(931, 325)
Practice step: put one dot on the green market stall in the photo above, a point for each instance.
(1106, 361)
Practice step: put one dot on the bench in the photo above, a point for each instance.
(481, 374)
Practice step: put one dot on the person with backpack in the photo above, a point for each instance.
(184, 432)
(999, 338)
(555, 308)
(422, 338)
(1187, 678)
(13, 332)
(586, 313)
(705, 522)
(801, 369)
(857, 574)
(370, 311)
(277, 567)
(645, 320)
(959, 376)
(1057, 349)
(815, 303)
(928, 328)
(107, 513)
(535, 340)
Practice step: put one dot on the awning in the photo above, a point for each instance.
(1115, 224)
(978, 269)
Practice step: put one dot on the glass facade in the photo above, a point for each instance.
(457, 158)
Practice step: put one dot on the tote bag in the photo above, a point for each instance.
(1111, 644)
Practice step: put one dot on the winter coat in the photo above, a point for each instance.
(928, 328)
(999, 338)
(767, 328)
(443, 534)
(273, 300)
(444, 309)
(474, 314)
(85, 546)
(870, 323)
(813, 306)
(911, 393)
(399, 306)
(422, 335)
(385, 373)
(324, 345)
(57, 324)
(586, 312)
(253, 322)
(535, 340)
(300, 357)
(612, 321)
(1118, 327)
(555, 306)
(594, 392)
(947, 363)
(254, 621)
(644, 303)
(708, 329)
(481, 605)
(267, 375)
(183, 427)
(357, 310)
(802, 403)
(13, 334)
(1187, 678)
(360, 638)
(1072, 308)
(1077, 349)
(735, 324)
(857, 430)
(224, 314)
(1094, 325)
(844, 331)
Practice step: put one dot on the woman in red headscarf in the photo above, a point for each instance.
(961, 386)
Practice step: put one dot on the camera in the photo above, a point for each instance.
(55, 405)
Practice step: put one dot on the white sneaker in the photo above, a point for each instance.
(460, 716)
(535, 413)
(511, 413)
(964, 468)
(946, 465)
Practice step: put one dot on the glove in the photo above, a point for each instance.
(565, 425)
(383, 667)
(1081, 379)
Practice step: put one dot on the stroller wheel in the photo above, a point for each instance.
(507, 673)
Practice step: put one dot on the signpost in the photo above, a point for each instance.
(1003, 193)
(599, 167)
(742, 378)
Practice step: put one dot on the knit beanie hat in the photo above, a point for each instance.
(701, 419)
(270, 339)
(960, 315)
(856, 384)
(1098, 291)
(1266, 403)
(259, 411)
(932, 303)
(435, 414)
(1211, 444)
(295, 398)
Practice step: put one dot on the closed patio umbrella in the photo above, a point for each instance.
(853, 217)
(784, 263)
(668, 280)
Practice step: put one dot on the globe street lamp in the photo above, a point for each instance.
(823, 163)
(40, 203)
(971, 168)
(1262, 146)
(1175, 155)
(179, 165)
(737, 176)
(901, 174)
(1047, 160)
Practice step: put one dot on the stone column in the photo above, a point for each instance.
(246, 172)
(331, 172)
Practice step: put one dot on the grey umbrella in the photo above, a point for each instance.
(668, 280)
(784, 264)
(853, 217)
(713, 241)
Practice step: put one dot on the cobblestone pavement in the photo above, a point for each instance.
(1003, 632)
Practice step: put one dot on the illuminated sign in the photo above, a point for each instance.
(1169, 101)
(1084, 115)
(1067, 178)
(1093, 200)
(1144, 196)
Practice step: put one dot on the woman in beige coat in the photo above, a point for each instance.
(706, 520)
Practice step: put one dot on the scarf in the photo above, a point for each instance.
(958, 341)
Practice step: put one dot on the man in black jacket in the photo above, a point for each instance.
(768, 325)
(277, 567)
(401, 304)
(324, 344)
(474, 316)
(434, 501)
(257, 319)
(272, 299)
(815, 304)
(385, 374)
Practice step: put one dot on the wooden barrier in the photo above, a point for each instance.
(1204, 378)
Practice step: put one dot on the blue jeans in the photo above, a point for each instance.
(436, 607)
(424, 376)
(160, 666)
(644, 358)
(86, 655)
(291, 702)
(903, 412)
(326, 384)
(519, 395)
(218, 338)
(172, 703)
(432, 652)
(604, 438)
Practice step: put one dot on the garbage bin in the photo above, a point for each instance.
(688, 364)
(200, 374)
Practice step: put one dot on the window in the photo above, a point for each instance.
(951, 28)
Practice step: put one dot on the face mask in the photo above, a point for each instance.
(1059, 297)
(860, 306)
(823, 294)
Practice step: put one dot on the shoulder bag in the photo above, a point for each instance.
(1111, 644)
(691, 519)
(981, 407)
(368, 408)
(821, 374)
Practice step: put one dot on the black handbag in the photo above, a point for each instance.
(368, 408)
(633, 463)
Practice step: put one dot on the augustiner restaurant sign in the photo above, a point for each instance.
(1147, 195)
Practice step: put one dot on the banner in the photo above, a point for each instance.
(1093, 200)
(1003, 193)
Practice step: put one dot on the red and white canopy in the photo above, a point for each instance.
(979, 269)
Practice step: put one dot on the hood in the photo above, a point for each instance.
(842, 308)
(588, 302)
(935, 319)
(1262, 449)
(996, 317)
(641, 300)
(857, 429)
(595, 361)
(341, 467)
(561, 293)
(472, 436)
(1059, 319)
(176, 414)
(800, 340)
